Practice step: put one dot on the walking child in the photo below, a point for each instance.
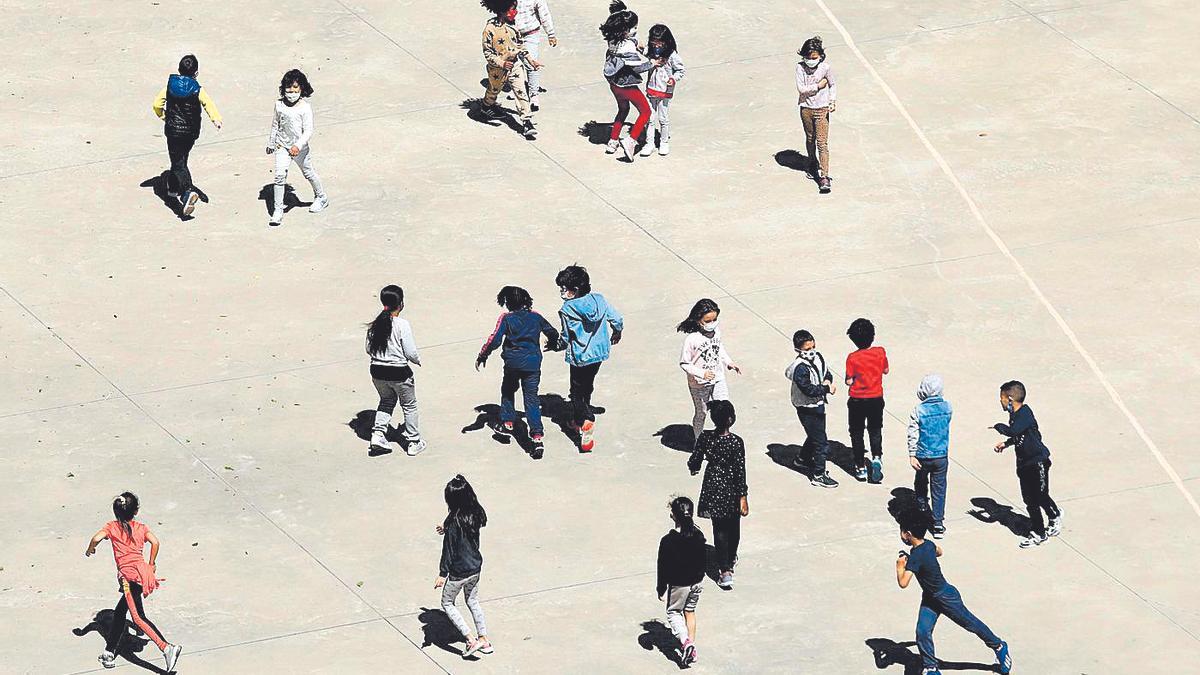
(812, 384)
(818, 99)
(865, 369)
(938, 597)
(723, 495)
(533, 21)
(135, 576)
(462, 563)
(668, 70)
(681, 576)
(1033, 463)
(587, 320)
(393, 352)
(508, 62)
(291, 129)
(178, 106)
(929, 449)
(518, 330)
(623, 67)
(704, 360)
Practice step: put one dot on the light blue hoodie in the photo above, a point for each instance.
(585, 329)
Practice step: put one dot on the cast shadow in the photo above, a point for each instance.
(903, 500)
(364, 422)
(988, 510)
(130, 645)
(475, 114)
(658, 636)
(440, 633)
(890, 653)
(597, 133)
(793, 457)
(488, 417)
(676, 437)
(796, 161)
(290, 200)
(158, 185)
(557, 410)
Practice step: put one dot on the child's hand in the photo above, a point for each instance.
(999, 447)
(270, 150)
(480, 361)
(901, 560)
(91, 549)
(823, 83)
(671, 82)
(440, 530)
(217, 124)
(293, 151)
(553, 42)
(916, 463)
(660, 598)
(508, 64)
(734, 368)
(709, 376)
(832, 387)
(441, 581)
(537, 65)
(832, 106)
(745, 507)
(616, 336)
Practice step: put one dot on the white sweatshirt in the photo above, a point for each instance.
(701, 353)
(291, 125)
(401, 347)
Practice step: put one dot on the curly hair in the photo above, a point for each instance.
(497, 7)
(295, 76)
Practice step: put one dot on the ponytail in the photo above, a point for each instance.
(125, 507)
(683, 512)
(379, 331)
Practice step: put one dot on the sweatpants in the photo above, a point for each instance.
(816, 136)
(949, 603)
(131, 602)
(662, 119)
(391, 392)
(583, 383)
(865, 414)
(469, 587)
(682, 599)
(533, 45)
(816, 443)
(727, 535)
(931, 477)
(626, 96)
(1035, 491)
(517, 81)
(283, 161)
(528, 381)
(717, 390)
(179, 180)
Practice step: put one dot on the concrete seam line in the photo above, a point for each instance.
(1007, 253)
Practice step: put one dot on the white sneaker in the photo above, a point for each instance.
(648, 148)
(535, 102)
(416, 448)
(276, 217)
(107, 659)
(189, 202)
(1054, 527)
(319, 204)
(1032, 540)
(486, 647)
(629, 146)
(171, 656)
(664, 148)
(611, 148)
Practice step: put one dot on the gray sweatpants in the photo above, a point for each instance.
(701, 394)
(450, 591)
(661, 107)
(682, 599)
(390, 392)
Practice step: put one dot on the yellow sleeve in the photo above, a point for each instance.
(209, 106)
(160, 103)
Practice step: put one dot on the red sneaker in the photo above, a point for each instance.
(586, 442)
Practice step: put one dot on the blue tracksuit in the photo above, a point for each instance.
(518, 332)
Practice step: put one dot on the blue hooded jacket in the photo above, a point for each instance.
(586, 321)
(518, 331)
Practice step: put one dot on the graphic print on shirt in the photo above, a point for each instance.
(710, 355)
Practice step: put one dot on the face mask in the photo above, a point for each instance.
(808, 354)
(565, 295)
(511, 16)
(708, 327)
(292, 96)
(812, 63)
(1008, 407)
(656, 50)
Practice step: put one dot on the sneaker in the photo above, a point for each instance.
(319, 204)
(664, 148)
(107, 659)
(861, 474)
(628, 146)
(189, 202)
(938, 531)
(1054, 527)
(725, 581)
(417, 448)
(538, 446)
(934, 671)
(1033, 540)
(529, 131)
(688, 654)
(171, 656)
(503, 428)
(491, 111)
(276, 218)
(648, 148)
(486, 647)
(1003, 659)
(611, 148)
(876, 471)
(535, 102)
(695, 656)
(376, 450)
(824, 185)
(472, 647)
(823, 480)
(586, 442)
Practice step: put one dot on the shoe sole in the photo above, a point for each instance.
(628, 152)
(175, 661)
(413, 453)
(586, 440)
(875, 474)
(822, 485)
(377, 450)
(190, 207)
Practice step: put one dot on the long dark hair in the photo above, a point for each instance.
(463, 505)
(660, 32)
(683, 512)
(125, 507)
(812, 44)
(722, 413)
(514, 298)
(297, 77)
(379, 331)
(620, 21)
(692, 323)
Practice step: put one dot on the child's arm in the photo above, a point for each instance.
(617, 322)
(547, 21)
(832, 88)
(696, 460)
(661, 585)
(686, 354)
(886, 365)
(550, 332)
(914, 434)
(409, 344)
(849, 373)
(803, 88)
(160, 104)
(938, 549)
(493, 341)
(727, 360)
(678, 70)
(210, 108)
(307, 127)
(100, 536)
(903, 576)
(153, 546)
(1020, 425)
(800, 377)
(273, 136)
(490, 53)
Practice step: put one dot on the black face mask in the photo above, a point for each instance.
(656, 52)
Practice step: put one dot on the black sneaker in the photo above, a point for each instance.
(861, 474)
(823, 480)
(875, 471)
(491, 111)
(825, 185)
(529, 131)
(938, 531)
(539, 447)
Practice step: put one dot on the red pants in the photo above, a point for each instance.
(625, 96)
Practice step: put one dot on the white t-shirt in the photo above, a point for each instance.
(291, 125)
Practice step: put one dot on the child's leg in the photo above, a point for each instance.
(689, 618)
(407, 393)
(621, 95)
(676, 599)
(518, 80)
(133, 601)
(583, 382)
(735, 540)
(956, 611)
(508, 391)
(810, 137)
(938, 486)
(383, 412)
(116, 631)
(856, 415)
(533, 44)
(926, 620)
(137, 610)
(725, 533)
(701, 395)
(638, 98)
(1031, 493)
(875, 427)
(820, 441)
(921, 483)
(283, 161)
(178, 150)
(662, 112)
(530, 381)
(304, 159)
(496, 79)
(1047, 503)
(471, 588)
(450, 591)
(821, 127)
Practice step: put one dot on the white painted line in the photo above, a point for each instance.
(1004, 250)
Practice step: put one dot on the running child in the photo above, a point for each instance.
(291, 129)
(518, 330)
(929, 449)
(865, 369)
(668, 70)
(178, 105)
(704, 360)
(681, 576)
(938, 597)
(135, 576)
(623, 67)
(587, 320)
(812, 384)
(1033, 463)
(461, 562)
(393, 352)
(818, 99)
(723, 495)
(533, 20)
(508, 62)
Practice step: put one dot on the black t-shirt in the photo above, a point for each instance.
(923, 563)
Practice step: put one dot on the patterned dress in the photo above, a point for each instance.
(724, 477)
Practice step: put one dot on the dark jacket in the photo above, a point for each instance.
(460, 551)
(519, 331)
(182, 114)
(680, 560)
(1022, 431)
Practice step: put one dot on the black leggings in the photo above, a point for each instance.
(583, 383)
(727, 534)
(117, 630)
(180, 178)
(1035, 491)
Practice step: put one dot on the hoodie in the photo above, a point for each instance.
(929, 423)
(624, 64)
(518, 332)
(586, 322)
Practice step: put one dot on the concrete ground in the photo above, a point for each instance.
(1016, 195)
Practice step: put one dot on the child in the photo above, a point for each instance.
(461, 563)
(623, 67)
(532, 17)
(818, 98)
(681, 575)
(135, 576)
(393, 352)
(938, 597)
(705, 360)
(1033, 463)
(508, 62)
(811, 385)
(291, 129)
(586, 319)
(929, 448)
(518, 330)
(668, 70)
(178, 106)
(865, 369)
(723, 495)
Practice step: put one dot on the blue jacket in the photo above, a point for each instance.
(518, 331)
(586, 321)
(929, 424)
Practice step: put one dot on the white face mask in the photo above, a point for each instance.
(812, 63)
(292, 96)
(708, 327)
(808, 354)
(633, 34)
